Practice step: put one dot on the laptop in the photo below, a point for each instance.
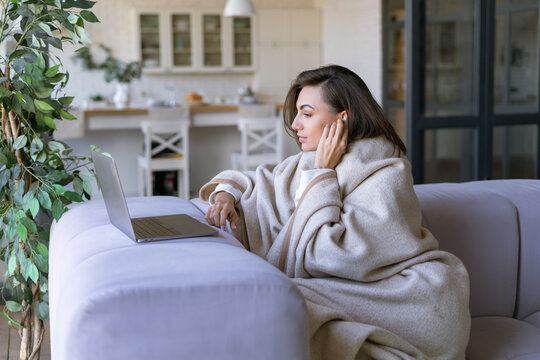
(142, 229)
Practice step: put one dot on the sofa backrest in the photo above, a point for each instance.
(481, 228)
(525, 196)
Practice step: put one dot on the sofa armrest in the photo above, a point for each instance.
(198, 298)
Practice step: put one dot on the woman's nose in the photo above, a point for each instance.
(296, 124)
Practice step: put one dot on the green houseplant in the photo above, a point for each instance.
(35, 170)
(115, 70)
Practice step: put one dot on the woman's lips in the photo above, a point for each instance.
(302, 139)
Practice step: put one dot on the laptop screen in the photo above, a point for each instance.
(113, 195)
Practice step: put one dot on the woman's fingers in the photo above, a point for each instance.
(324, 134)
(233, 218)
(223, 215)
(219, 213)
(332, 131)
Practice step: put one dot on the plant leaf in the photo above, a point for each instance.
(56, 146)
(42, 250)
(43, 106)
(22, 232)
(78, 185)
(49, 121)
(73, 196)
(67, 116)
(12, 264)
(52, 71)
(57, 209)
(73, 18)
(45, 28)
(13, 306)
(83, 34)
(58, 175)
(34, 208)
(20, 142)
(36, 146)
(89, 16)
(44, 200)
(3, 160)
(4, 92)
(66, 100)
(41, 263)
(60, 190)
(40, 61)
(32, 271)
(42, 310)
(29, 224)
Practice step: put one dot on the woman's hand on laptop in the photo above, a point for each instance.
(222, 210)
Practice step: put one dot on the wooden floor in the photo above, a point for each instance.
(10, 336)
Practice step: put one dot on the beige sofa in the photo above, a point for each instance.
(209, 298)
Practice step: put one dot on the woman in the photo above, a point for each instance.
(342, 220)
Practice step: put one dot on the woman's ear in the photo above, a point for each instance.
(343, 115)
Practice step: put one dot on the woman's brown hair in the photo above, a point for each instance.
(343, 90)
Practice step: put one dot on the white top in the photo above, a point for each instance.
(305, 179)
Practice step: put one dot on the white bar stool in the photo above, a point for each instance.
(166, 148)
(261, 137)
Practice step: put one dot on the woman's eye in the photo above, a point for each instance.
(306, 115)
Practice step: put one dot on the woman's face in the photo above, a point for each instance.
(313, 115)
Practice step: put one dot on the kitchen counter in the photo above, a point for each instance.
(193, 109)
(130, 118)
(213, 136)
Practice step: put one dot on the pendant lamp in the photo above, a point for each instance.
(238, 8)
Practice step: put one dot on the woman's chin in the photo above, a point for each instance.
(307, 147)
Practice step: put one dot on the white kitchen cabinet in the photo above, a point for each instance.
(288, 42)
(194, 41)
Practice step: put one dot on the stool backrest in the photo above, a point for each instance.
(261, 135)
(166, 132)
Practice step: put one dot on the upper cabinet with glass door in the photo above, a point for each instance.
(242, 43)
(212, 41)
(227, 43)
(182, 54)
(194, 41)
(150, 44)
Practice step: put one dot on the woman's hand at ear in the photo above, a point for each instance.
(222, 210)
(332, 145)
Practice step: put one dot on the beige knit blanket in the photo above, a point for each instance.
(375, 283)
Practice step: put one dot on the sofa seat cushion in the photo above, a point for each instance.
(494, 338)
(533, 319)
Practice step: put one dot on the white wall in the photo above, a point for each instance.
(116, 30)
(345, 32)
(352, 37)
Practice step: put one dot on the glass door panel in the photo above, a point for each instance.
(242, 51)
(516, 59)
(181, 40)
(396, 64)
(150, 44)
(514, 151)
(396, 11)
(449, 155)
(396, 116)
(212, 49)
(450, 58)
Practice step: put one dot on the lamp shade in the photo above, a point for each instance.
(238, 8)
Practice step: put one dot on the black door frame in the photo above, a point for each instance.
(484, 121)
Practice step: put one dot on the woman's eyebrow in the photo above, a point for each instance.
(306, 105)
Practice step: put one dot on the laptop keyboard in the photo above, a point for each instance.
(150, 228)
